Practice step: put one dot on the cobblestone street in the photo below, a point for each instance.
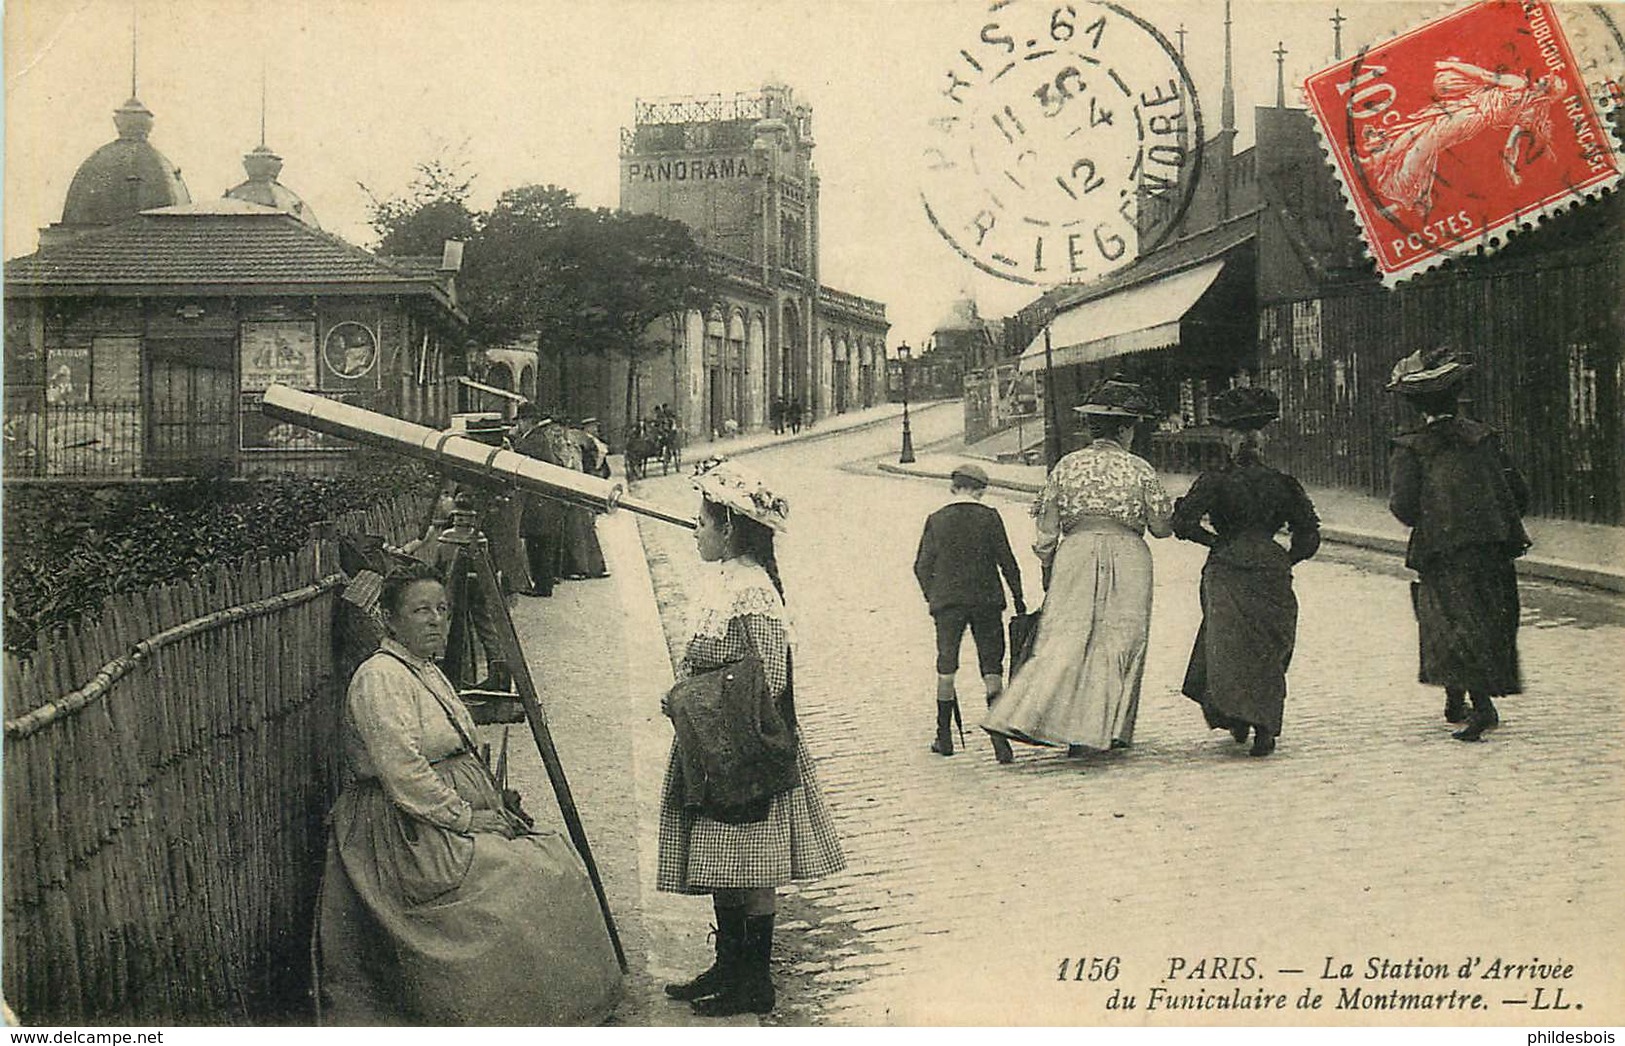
(1370, 833)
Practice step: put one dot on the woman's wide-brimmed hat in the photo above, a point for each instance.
(1430, 370)
(1115, 397)
(741, 490)
(1244, 409)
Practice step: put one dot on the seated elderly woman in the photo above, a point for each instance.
(438, 906)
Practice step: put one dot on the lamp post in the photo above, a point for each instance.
(907, 457)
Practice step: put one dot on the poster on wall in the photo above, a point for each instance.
(349, 357)
(67, 375)
(281, 351)
(260, 432)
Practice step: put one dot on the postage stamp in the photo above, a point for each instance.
(1067, 142)
(1450, 136)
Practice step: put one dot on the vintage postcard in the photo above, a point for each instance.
(1103, 513)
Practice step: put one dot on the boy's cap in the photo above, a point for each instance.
(974, 475)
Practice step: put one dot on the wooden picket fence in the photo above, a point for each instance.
(168, 769)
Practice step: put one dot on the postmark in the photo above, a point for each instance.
(1066, 142)
(1451, 136)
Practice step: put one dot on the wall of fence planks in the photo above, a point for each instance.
(1550, 374)
(168, 769)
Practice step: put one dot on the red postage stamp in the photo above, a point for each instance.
(1449, 136)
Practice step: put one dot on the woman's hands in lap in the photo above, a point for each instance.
(492, 821)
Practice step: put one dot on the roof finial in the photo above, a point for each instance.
(1280, 53)
(1227, 109)
(1337, 21)
(1180, 32)
(132, 47)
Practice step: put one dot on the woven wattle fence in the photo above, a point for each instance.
(167, 772)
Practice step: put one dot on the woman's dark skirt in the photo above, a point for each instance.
(1467, 621)
(1237, 670)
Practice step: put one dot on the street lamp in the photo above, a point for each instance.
(907, 457)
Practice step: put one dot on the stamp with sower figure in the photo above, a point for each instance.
(1067, 142)
(1453, 134)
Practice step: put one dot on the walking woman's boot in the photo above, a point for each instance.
(1455, 705)
(730, 941)
(1484, 719)
(751, 988)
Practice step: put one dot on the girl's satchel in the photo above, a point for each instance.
(736, 744)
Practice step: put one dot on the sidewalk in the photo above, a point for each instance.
(1575, 553)
(604, 714)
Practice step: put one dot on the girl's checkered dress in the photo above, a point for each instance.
(743, 614)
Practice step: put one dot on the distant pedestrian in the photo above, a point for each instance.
(962, 552)
(775, 414)
(794, 410)
(1463, 499)
(538, 436)
(1237, 670)
(1081, 686)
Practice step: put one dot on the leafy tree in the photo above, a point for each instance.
(585, 281)
(433, 209)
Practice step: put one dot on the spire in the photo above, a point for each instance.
(262, 103)
(132, 48)
(1227, 109)
(1337, 21)
(1280, 74)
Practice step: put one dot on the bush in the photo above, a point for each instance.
(67, 549)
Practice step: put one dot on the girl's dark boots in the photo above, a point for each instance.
(750, 989)
(1455, 705)
(730, 941)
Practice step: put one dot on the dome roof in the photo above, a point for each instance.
(124, 177)
(262, 188)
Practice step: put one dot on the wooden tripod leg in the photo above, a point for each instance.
(520, 670)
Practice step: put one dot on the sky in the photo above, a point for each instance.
(533, 91)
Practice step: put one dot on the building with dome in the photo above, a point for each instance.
(140, 337)
(121, 179)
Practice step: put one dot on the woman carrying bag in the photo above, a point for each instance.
(740, 619)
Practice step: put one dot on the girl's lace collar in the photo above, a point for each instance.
(735, 588)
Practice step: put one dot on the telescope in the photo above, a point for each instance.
(469, 458)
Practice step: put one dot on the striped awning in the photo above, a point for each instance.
(1140, 318)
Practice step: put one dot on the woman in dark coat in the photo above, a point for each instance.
(1238, 666)
(1463, 499)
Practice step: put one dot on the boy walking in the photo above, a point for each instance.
(962, 552)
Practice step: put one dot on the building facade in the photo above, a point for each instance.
(738, 171)
(141, 336)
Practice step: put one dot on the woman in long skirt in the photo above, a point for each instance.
(741, 613)
(1454, 485)
(1237, 670)
(1080, 688)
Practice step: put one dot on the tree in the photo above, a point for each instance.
(433, 209)
(586, 282)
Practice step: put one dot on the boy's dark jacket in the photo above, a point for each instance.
(962, 552)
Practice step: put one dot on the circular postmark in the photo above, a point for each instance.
(1066, 142)
(350, 349)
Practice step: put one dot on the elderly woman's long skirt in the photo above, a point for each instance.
(1081, 686)
(418, 925)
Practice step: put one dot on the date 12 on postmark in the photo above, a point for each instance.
(1065, 143)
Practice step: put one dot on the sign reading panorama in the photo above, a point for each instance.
(691, 169)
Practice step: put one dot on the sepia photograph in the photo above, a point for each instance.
(814, 514)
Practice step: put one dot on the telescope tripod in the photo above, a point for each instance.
(470, 570)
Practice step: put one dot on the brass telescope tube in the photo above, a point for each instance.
(468, 457)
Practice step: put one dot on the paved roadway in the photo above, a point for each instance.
(1369, 834)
